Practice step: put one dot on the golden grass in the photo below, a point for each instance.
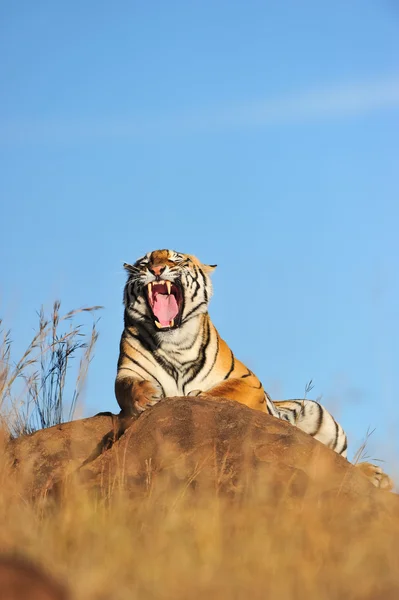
(176, 542)
(32, 387)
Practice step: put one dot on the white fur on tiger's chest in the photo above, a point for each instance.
(184, 353)
(172, 387)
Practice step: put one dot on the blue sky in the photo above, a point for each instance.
(261, 136)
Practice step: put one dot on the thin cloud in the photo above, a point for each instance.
(320, 104)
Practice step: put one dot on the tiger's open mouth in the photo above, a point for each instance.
(165, 300)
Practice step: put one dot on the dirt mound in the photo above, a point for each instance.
(195, 498)
(206, 443)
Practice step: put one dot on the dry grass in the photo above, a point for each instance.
(172, 542)
(175, 543)
(32, 388)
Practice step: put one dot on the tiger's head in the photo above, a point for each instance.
(167, 289)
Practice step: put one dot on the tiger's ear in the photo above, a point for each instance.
(209, 268)
(129, 268)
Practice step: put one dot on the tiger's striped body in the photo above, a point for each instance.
(192, 359)
(170, 347)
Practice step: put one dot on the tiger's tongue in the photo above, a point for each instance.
(165, 308)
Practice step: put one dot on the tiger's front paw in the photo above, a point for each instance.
(195, 393)
(145, 395)
(376, 475)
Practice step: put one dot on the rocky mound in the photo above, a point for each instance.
(216, 500)
(206, 443)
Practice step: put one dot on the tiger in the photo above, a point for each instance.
(170, 347)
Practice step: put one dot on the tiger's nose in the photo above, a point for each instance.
(157, 270)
